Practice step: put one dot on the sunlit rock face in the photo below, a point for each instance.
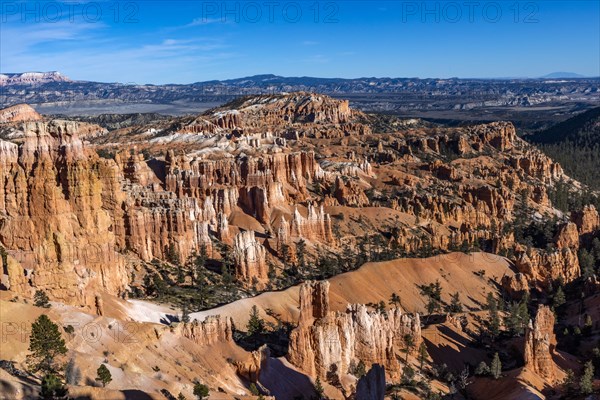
(325, 338)
(540, 343)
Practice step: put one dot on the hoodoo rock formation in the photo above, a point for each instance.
(316, 226)
(277, 190)
(214, 329)
(540, 343)
(250, 262)
(280, 166)
(542, 267)
(324, 338)
(53, 222)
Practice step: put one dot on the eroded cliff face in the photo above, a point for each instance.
(567, 236)
(587, 220)
(214, 329)
(541, 267)
(324, 338)
(540, 343)
(278, 168)
(316, 226)
(294, 115)
(19, 113)
(53, 222)
(250, 259)
(256, 184)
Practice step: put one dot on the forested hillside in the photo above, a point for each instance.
(575, 144)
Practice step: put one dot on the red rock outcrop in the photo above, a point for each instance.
(587, 220)
(212, 330)
(348, 193)
(500, 135)
(543, 267)
(291, 115)
(283, 234)
(540, 343)
(536, 164)
(249, 257)
(323, 338)
(251, 368)
(256, 184)
(316, 226)
(19, 113)
(53, 221)
(154, 224)
(516, 285)
(567, 236)
(77, 130)
(223, 231)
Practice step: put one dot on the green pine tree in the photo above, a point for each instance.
(200, 263)
(496, 367)
(103, 375)
(409, 343)
(253, 389)
(40, 299)
(558, 298)
(494, 318)
(53, 388)
(586, 263)
(395, 300)
(482, 369)
(455, 304)
(200, 391)
(423, 355)
(255, 325)
(319, 388)
(301, 254)
(185, 312)
(586, 384)
(46, 346)
(569, 383)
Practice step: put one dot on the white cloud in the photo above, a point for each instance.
(90, 51)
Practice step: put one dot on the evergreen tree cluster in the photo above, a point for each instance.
(575, 144)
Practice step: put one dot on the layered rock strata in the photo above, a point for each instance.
(324, 338)
(540, 343)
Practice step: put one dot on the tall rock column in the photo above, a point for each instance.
(250, 259)
(540, 342)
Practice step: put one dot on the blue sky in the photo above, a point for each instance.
(189, 41)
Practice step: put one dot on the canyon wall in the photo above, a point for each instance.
(324, 338)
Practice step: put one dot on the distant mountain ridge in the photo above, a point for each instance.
(445, 99)
(27, 78)
(567, 75)
(32, 78)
